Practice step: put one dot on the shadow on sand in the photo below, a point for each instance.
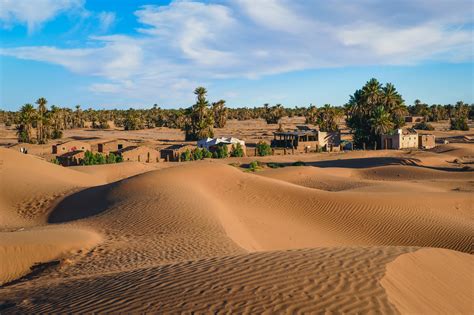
(83, 204)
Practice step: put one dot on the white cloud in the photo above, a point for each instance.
(106, 21)
(34, 13)
(187, 43)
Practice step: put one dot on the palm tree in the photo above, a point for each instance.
(381, 122)
(199, 119)
(41, 120)
(25, 121)
(220, 114)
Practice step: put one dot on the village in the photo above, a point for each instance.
(303, 139)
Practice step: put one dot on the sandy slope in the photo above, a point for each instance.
(431, 281)
(206, 236)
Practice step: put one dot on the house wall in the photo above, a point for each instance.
(426, 141)
(72, 146)
(408, 141)
(141, 155)
(385, 141)
(112, 146)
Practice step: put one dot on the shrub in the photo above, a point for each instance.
(186, 155)
(197, 154)
(299, 163)
(55, 161)
(100, 158)
(237, 150)
(222, 152)
(423, 126)
(206, 154)
(459, 124)
(263, 149)
(111, 158)
(56, 134)
(254, 166)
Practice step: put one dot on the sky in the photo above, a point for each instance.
(136, 53)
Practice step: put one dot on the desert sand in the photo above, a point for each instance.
(356, 232)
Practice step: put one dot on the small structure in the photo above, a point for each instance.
(71, 158)
(306, 140)
(426, 141)
(211, 144)
(414, 119)
(139, 154)
(70, 146)
(113, 145)
(406, 138)
(173, 152)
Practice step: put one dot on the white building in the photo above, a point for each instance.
(211, 143)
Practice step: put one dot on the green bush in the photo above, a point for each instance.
(423, 126)
(98, 158)
(186, 155)
(222, 151)
(197, 154)
(253, 166)
(206, 154)
(459, 124)
(55, 161)
(111, 158)
(263, 149)
(237, 150)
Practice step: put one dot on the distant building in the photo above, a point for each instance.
(139, 154)
(406, 138)
(173, 152)
(414, 119)
(307, 140)
(113, 145)
(70, 146)
(71, 158)
(426, 141)
(211, 144)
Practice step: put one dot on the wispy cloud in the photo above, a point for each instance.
(187, 43)
(106, 21)
(34, 13)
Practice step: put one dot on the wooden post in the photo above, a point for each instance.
(292, 150)
(375, 145)
(284, 151)
(363, 146)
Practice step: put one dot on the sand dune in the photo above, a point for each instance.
(206, 236)
(21, 250)
(431, 281)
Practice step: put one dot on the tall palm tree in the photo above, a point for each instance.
(25, 121)
(41, 120)
(380, 121)
(372, 92)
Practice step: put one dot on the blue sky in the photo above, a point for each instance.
(135, 53)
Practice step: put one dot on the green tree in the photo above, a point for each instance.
(41, 122)
(373, 110)
(24, 127)
(220, 114)
(237, 150)
(263, 149)
(199, 123)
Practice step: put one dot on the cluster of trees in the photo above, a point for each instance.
(372, 110)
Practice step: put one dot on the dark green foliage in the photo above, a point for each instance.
(374, 110)
(186, 155)
(237, 150)
(423, 126)
(263, 149)
(254, 166)
(133, 120)
(56, 134)
(206, 154)
(55, 161)
(98, 158)
(197, 154)
(273, 114)
(222, 151)
(460, 116)
(199, 118)
(274, 165)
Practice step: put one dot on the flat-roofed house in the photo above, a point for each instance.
(139, 154)
(113, 145)
(406, 138)
(70, 146)
(307, 140)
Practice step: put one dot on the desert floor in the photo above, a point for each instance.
(359, 231)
